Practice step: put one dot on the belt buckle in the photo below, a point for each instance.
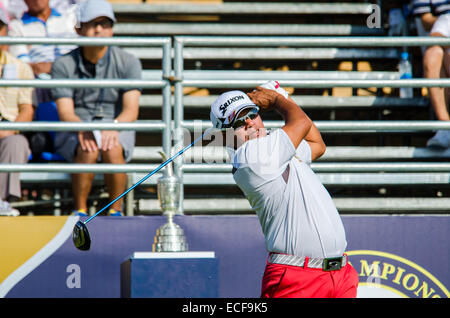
(332, 264)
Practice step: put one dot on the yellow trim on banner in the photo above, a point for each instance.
(22, 237)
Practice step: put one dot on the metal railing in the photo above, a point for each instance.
(226, 168)
(176, 77)
(274, 53)
(255, 29)
(163, 83)
(239, 41)
(245, 8)
(316, 41)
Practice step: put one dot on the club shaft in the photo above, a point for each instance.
(165, 163)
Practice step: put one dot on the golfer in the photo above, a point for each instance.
(303, 231)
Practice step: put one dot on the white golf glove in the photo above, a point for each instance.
(275, 86)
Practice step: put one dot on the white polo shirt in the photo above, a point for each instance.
(296, 212)
(57, 25)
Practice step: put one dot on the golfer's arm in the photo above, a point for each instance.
(130, 106)
(297, 124)
(314, 139)
(66, 109)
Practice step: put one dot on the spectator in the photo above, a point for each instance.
(435, 18)
(96, 19)
(15, 105)
(16, 8)
(41, 20)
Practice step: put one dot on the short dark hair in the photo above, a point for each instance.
(2, 25)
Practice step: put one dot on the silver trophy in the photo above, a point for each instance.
(170, 236)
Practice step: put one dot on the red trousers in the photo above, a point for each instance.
(286, 281)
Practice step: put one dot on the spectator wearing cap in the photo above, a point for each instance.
(435, 19)
(96, 19)
(15, 105)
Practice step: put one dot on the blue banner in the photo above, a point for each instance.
(395, 256)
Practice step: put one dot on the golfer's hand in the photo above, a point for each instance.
(263, 97)
(87, 141)
(110, 139)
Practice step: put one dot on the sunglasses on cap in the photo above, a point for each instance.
(242, 121)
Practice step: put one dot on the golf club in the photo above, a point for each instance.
(80, 235)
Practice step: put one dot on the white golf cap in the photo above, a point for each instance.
(227, 107)
(92, 9)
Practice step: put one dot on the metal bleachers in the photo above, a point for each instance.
(376, 159)
(226, 15)
(251, 18)
(375, 178)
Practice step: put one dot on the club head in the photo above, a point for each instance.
(80, 236)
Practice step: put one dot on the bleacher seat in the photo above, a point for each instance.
(358, 192)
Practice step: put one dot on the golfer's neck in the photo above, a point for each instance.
(94, 53)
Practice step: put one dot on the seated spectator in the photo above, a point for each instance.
(16, 8)
(15, 105)
(96, 19)
(40, 20)
(435, 18)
